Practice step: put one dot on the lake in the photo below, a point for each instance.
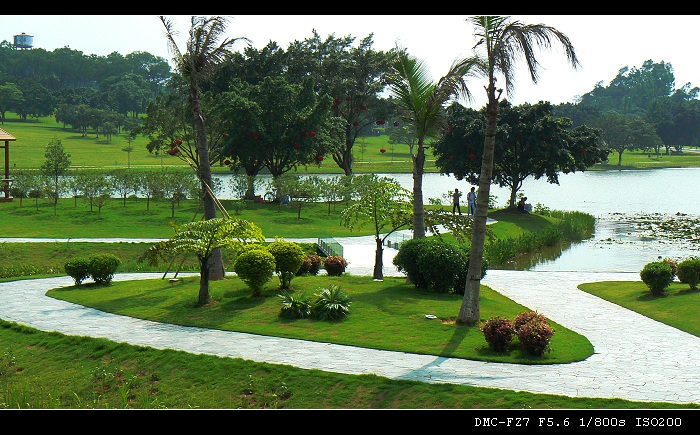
(616, 198)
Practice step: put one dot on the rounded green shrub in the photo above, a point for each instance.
(102, 267)
(440, 266)
(498, 332)
(311, 265)
(78, 269)
(657, 276)
(406, 260)
(335, 265)
(288, 259)
(255, 267)
(689, 272)
(435, 265)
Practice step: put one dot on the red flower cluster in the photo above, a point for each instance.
(383, 150)
(380, 122)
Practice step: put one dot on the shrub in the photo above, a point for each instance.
(331, 303)
(440, 265)
(288, 259)
(406, 260)
(294, 306)
(102, 267)
(674, 265)
(311, 265)
(335, 265)
(255, 267)
(533, 332)
(657, 275)
(78, 269)
(689, 272)
(498, 332)
(435, 265)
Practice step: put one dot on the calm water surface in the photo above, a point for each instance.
(615, 198)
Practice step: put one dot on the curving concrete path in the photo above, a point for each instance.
(635, 358)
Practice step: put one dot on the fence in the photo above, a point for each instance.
(330, 247)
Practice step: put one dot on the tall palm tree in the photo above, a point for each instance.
(196, 65)
(420, 102)
(502, 41)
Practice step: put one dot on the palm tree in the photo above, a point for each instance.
(420, 102)
(204, 53)
(502, 41)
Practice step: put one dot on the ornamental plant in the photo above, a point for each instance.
(534, 332)
(689, 272)
(311, 265)
(335, 265)
(657, 276)
(255, 267)
(102, 267)
(288, 259)
(498, 332)
(331, 303)
(78, 269)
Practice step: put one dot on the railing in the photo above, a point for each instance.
(330, 247)
(396, 239)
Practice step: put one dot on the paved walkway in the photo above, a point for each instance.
(635, 358)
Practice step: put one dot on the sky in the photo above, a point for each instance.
(604, 44)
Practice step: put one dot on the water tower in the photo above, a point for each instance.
(24, 41)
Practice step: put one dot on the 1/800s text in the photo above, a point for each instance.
(580, 422)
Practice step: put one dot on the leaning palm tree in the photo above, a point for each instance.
(420, 102)
(204, 53)
(502, 42)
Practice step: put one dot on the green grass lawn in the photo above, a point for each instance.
(50, 370)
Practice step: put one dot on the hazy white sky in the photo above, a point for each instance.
(604, 43)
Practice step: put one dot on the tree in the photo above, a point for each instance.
(383, 203)
(195, 66)
(202, 238)
(420, 103)
(10, 96)
(502, 41)
(627, 132)
(530, 141)
(55, 166)
(303, 192)
(354, 75)
(279, 124)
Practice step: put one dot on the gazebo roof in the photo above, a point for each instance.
(5, 136)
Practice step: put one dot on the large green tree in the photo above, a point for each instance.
(627, 132)
(207, 47)
(353, 74)
(501, 41)
(420, 103)
(276, 124)
(530, 141)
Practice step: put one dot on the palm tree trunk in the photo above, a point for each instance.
(418, 209)
(469, 312)
(216, 262)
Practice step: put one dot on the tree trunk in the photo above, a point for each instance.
(418, 209)
(378, 261)
(469, 312)
(216, 262)
(204, 297)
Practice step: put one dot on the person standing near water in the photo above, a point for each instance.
(455, 201)
(471, 201)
